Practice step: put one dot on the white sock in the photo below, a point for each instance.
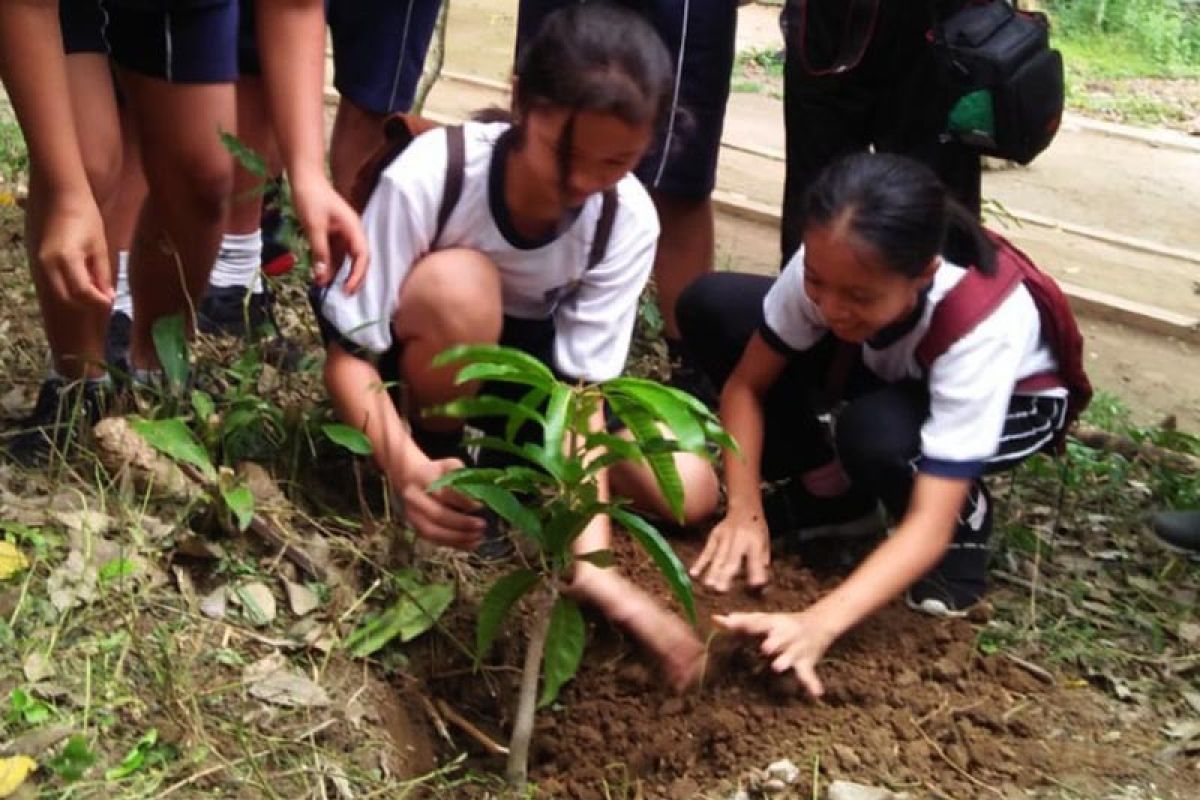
(124, 299)
(238, 262)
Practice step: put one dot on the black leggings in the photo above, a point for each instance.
(878, 431)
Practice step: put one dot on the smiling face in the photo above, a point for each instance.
(855, 290)
(603, 149)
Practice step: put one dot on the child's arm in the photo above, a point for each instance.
(292, 48)
(68, 232)
(354, 386)
(799, 640)
(742, 535)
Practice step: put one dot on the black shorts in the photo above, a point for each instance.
(82, 23)
(699, 34)
(193, 42)
(379, 49)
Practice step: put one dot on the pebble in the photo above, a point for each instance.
(783, 770)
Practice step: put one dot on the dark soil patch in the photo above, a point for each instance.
(910, 703)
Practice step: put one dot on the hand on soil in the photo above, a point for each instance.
(668, 638)
(793, 641)
(735, 539)
(443, 517)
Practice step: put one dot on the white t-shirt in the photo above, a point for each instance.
(593, 310)
(970, 385)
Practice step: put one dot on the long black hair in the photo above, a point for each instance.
(898, 208)
(594, 56)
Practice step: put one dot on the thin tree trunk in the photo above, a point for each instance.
(518, 746)
(434, 60)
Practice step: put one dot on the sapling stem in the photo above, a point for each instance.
(518, 746)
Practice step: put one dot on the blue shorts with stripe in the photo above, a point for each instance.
(379, 49)
(181, 41)
(699, 34)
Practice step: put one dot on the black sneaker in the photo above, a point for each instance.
(226, 311)
(116, 343)
(959, 581)
(61, 414)
(795, 515)
(1179, 529)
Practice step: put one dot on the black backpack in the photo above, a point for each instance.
(1005, 77)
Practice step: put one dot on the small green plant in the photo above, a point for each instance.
(553, 492)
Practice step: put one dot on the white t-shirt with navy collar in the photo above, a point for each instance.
(970, 385)
(593, 310)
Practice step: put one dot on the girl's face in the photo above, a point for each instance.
(857, 294)
(604, 148)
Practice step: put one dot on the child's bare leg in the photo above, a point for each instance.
(254, 130)
(701, 488)
(76, 333)
(685, 251)
(189, 175)
(356, 134)
(450, 297)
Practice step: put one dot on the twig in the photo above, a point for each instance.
(436, 719)
(942, 754)
(202, 774)
(479, 736)
(1041, 673)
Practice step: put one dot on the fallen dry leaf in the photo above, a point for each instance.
(13, 772)
(301, 599)
(257, 601)
(12, 560)
(37, 667)
(273, 680)
(213, 604)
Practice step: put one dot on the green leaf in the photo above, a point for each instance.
(506, 504)
(485, 406)
(75, 759)
(170, 342)
(556, 422)
(528, 451)
(662, 406)
(416, 612)
(519, 364)
(240, 501)
(662, 464)
(664, 557)
(564, 648)
(148, 752)
(172, 438)
(116, 569)
(601, 558)
(496, 604)
(694, 405)
(203, 405)
(245, 156)
(500, 372)
(531, 401)
(350, 438)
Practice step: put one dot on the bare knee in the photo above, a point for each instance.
(194, 185)
(452, 296)
(701, 488)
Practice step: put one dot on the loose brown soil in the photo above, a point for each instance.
(910, 703)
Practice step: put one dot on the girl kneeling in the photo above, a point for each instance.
(516, 261)
(866, 284)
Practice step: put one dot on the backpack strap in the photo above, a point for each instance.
(456, 168)
(604, 226)
(970, 302)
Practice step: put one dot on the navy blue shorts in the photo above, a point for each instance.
(247, 40)
(379, 49)
(699, 34)
(82, 23)
(194, 42)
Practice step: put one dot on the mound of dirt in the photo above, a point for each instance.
(910, 703)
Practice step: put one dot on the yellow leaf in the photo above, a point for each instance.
(14, 771)
(12, 561)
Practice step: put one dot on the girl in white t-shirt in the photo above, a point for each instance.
(847, 314)
(515, 261)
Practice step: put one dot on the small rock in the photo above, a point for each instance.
(301, 599)
(213, 604)
(773, 787)
(846, 756)
(783, 770)
(740, 794)
(257, 602)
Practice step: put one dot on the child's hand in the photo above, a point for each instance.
(737, 538)
(443, 517)
(793, 641)
(72, 255)
(325, 216)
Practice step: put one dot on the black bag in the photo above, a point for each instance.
(1007, 80)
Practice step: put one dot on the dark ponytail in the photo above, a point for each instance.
(898, 208)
